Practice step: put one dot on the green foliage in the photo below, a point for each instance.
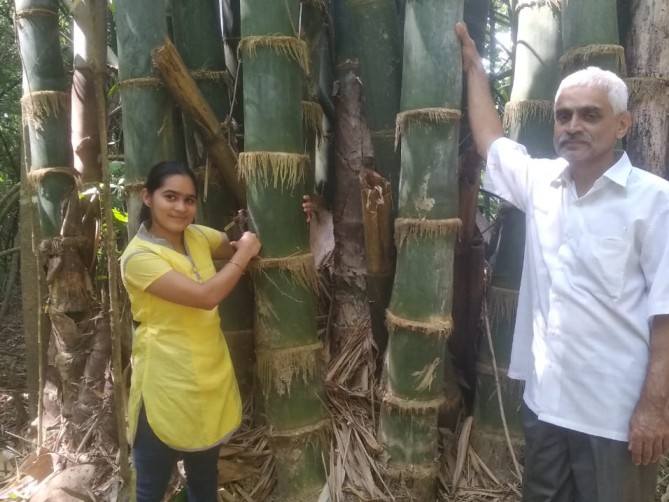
(499, 50)
(10, 95)
(10, 131)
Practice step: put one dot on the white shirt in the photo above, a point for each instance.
(595, 272)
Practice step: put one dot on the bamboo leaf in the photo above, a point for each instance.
(120, 215)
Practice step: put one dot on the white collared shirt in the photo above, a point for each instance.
(595, 272)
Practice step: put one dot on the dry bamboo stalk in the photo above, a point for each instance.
(126, 491)
(499, 390)
(183, 88)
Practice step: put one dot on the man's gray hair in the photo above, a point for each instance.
(595, 77)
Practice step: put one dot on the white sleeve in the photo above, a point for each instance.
(507, 172)
(655, 264)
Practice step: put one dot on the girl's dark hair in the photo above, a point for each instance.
(156, 179)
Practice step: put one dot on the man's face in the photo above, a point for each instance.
(586, 128)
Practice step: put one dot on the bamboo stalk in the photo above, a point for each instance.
(590, 36)
(13, 250)
(466, 270)
(500, 402)
(10, 206)
(376, 29)
(274, 163)
(113, 282)
(419, 381)
(648, 58)
(215, 135)
(377, 217)
(6, 198)
(150, 124)
(11, 280)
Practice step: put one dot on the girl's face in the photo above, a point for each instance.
(173, 205)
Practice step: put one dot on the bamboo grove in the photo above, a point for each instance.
(357, 103)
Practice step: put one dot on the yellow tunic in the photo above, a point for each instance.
(182, 370)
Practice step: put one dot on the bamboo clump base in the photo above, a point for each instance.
(247, 468)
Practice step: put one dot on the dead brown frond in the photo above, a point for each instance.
(246, 465)
(356, 469)
(312, 115)
(465, 477)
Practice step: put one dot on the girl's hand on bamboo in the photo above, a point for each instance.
(247, 247)
(311, 204)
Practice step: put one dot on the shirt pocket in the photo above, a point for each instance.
(603, 261)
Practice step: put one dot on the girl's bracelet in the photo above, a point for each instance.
(237, 265)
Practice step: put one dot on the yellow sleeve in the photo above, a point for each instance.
(142, 267)
(214, 237)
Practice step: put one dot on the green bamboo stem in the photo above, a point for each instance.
(149, 121)
(590, 36)
(274, 167)
(45, 109)
(419, 315)
(45, 106)
(376, 30)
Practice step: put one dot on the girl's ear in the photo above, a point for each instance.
(146, 197)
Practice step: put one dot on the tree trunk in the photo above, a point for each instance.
(274, 167)
(419, 317)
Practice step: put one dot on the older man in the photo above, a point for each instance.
(591, 339)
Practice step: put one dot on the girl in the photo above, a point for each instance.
(184, 400)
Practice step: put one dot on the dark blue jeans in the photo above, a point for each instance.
(154, 462)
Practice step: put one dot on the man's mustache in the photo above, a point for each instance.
(568, 138)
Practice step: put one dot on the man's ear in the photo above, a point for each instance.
(624, 124)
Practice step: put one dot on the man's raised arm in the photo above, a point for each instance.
(483, 119)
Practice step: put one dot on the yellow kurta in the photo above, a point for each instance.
(182, 370)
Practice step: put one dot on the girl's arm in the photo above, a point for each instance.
(177, 288)
(225, 251)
